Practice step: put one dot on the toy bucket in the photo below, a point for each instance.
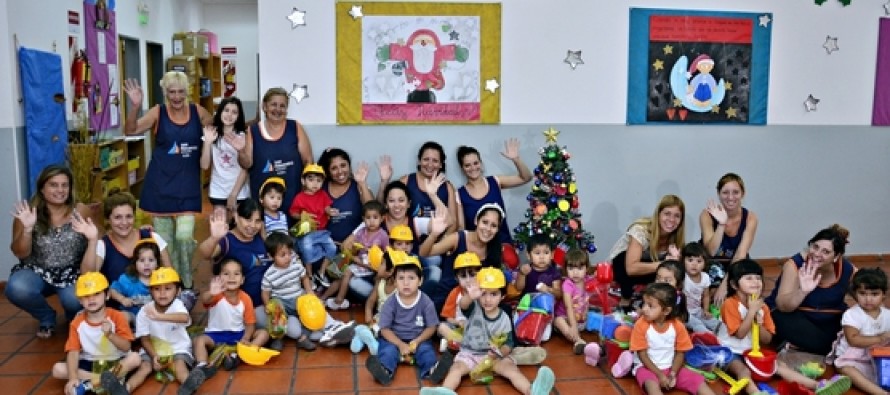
(881, 356)
(762, 368)
(613, 351)
(704, 357)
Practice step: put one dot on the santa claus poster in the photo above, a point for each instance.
(698, 67)
(417, 63)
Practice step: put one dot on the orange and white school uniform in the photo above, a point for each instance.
(732, 313)
(89, 339)
(661, 342)
(226, 321)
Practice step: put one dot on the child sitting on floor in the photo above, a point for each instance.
(744, 307)
(865, 325)
(697, 289)
(486, 321)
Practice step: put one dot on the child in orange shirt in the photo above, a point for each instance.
(466, 266)
(743, 308)
(96, 334)
(659, 341)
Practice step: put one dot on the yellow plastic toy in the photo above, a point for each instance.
(305, 225)
(276, 317)
(483, 373)
(734, 385)
(375, 257)
(311, 312)
(256, 356)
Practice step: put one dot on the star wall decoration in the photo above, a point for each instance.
(573, 58)
(454, 35)
(299, 92)
(887, 8)
(297, 18)
(765, 20)
(830, 44)
(810, 103)
(492, 85)
(356, 12)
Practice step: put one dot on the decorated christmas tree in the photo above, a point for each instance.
(553, 203)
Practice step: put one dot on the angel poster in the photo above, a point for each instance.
(698, 67)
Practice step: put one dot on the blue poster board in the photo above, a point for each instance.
(44, 103)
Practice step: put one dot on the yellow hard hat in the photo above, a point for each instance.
(491, 278)
(163, 275)
(313, 168)
(273, 180)
(375, 257)
(255, 355)
(467, 259)
(90, 283)
(311, 312)
(403, 258)
(401, 233)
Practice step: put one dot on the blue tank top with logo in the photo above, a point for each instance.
(173, 179)
(115, 263)
(276, 158)
(253, 259)
(421, 205)
(350, 206)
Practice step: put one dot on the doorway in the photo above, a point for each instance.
(130, 67)
(154, 53)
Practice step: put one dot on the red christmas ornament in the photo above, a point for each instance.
(509, 256)
(559, 256)
(573, 224)
(559, 190)
(604, 272)
(575, 202)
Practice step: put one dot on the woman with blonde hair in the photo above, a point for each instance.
(647, 242)
(172, 188)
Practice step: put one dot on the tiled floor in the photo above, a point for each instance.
(25, 363)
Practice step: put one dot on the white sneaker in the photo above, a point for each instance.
(339, 333)
(443, 345)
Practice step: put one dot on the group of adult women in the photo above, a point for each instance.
(809, 296)
(55, 240)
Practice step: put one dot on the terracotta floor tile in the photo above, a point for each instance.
(55, 344)
(468, 388)
(31, 363)
(214, 386)
(597, 386)
(261, 382)
(8, 310)
(21, 324)
(21, 384)
(50, 386)
(572, 367)
(324, 356)
(12, 343)
(406, 377)
(324, 379)
(559, 346)
(152, 387)
(391, 391)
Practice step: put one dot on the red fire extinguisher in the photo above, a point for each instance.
(81, 74)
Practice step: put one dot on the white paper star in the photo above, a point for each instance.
(830, 44)
(300, 92)
(573, 58)
(765, 20)
(297, 18)
(810, 103)
(356, 12)
(887, 8)
(492, 85)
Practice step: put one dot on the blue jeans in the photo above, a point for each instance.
(27, 291)
(424, 356)
(315, 246)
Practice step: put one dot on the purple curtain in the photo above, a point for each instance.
(880, 114)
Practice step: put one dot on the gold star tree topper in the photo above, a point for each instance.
(550, 134)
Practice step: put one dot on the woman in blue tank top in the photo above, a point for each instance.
(480, 190)
(171, 191)
(426, 198)
(728, 230)
(349, 191)
(276, 147)
(483, 242)
(114, 250)
(809, 298)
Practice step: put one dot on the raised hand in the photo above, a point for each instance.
(84, 226)
(150, 311)
(473, 290)
(210, 134)
(384, 167)
(216, 286)
(716, 210)
(439, 222)
(26, 214)
(107, 326)
(218, 226)
(236, 140)
(808, 276)
(432, 185)
(525, 269)
(511, 148)
(134, 91)
(361, 173)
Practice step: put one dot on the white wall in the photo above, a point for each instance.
(801, 174)
(236, 25)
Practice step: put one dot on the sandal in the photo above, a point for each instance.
(46, 332)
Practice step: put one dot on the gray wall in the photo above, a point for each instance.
(799, 178)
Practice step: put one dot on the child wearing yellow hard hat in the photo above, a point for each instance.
(488, 340)
(314, 244)
(466, 265)
(97, 335)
